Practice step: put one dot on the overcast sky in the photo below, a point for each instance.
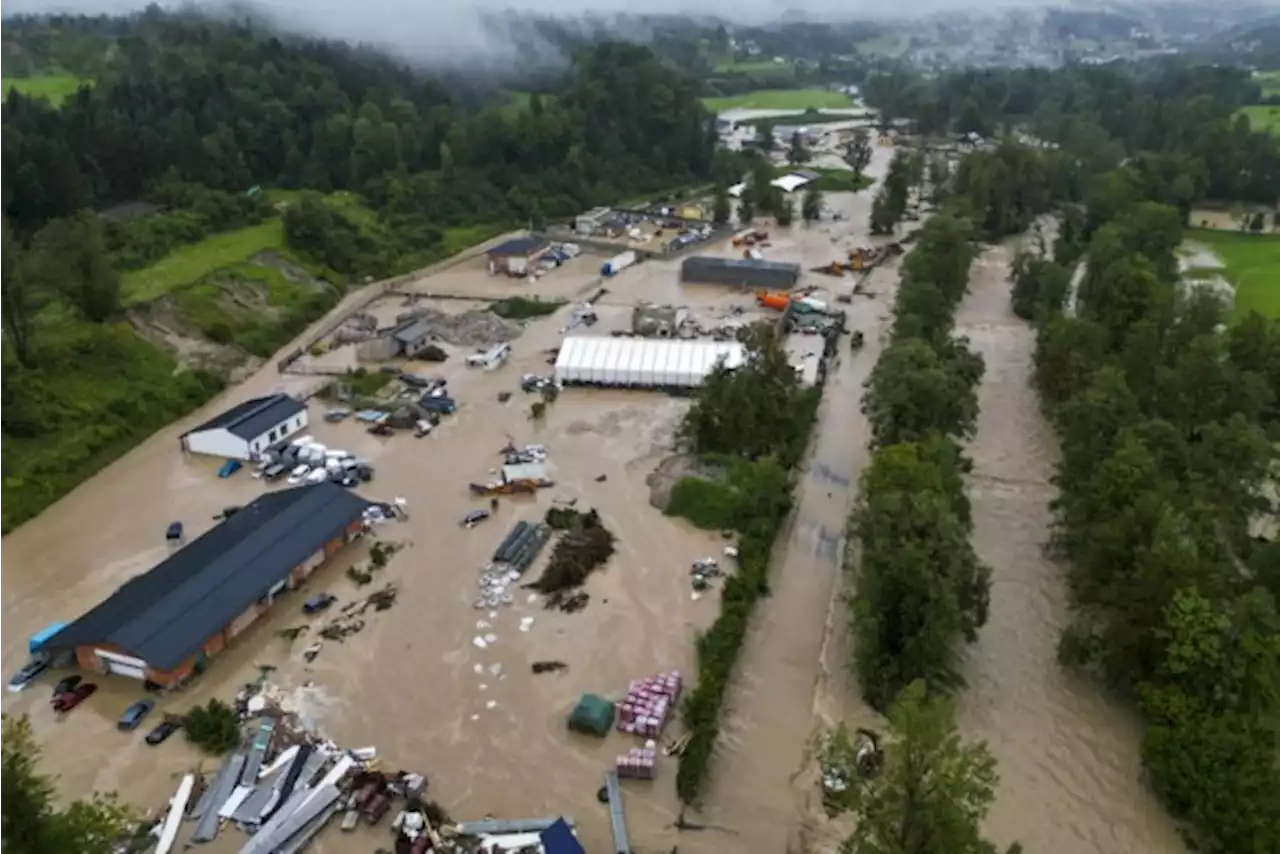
(434, 30)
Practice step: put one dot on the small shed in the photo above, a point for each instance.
(516, 257)
(589, 223)
(412, 337)
(592, 716)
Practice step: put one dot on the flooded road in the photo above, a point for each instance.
(1068, 758)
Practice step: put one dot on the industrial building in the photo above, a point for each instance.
(743, 272)
(589, 223)
(518, 256)
(642, 363)
(164, 625)
(246, 430)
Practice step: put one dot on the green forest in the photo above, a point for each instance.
(1167, 406)
(203, 166)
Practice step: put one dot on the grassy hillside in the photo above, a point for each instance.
(780, 99)
(54, 87)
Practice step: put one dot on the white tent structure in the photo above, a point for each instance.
(790, 183)
(643, 363)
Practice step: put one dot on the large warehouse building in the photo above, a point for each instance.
(247, 429)
(641, 363)
(743, 272)
(164, 625)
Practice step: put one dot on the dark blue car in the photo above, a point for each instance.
(134, 714)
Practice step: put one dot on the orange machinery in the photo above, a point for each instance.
(773, 299)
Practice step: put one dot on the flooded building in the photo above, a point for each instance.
(643, 363)
(164, 625)
(518, 256)
(247, 429)
(747, 273)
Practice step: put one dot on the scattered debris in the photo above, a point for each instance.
(585, 546)
(349, 619)
(475, 328)
(549, 666)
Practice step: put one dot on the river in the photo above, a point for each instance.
(1070, 775)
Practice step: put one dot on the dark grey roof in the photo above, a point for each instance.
(702, 262)
(167, 614)
(412, 331)
(518, 246)
(254, 417)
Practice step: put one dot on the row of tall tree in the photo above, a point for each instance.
(230, 106)
(919, 589)
(1103, 114)
(1167, 412)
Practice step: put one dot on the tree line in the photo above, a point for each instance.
(749, 428)
(1166, 406)
(1167, 414)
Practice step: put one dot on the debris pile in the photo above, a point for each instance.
(475, 328)
(585, 546)
(649, 703)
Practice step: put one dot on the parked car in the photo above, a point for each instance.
(134, 714)
(318, 603)
(229, 468)
(174, 531)
(27, 674)
(475, 517)
(65, 684)
(163, 730)
(274, 472)
(298, 475)
(68, 701)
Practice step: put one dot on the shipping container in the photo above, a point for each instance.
(618, 263)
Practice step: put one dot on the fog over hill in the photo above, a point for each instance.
(530, 33)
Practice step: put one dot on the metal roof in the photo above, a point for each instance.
(643, 363)
(738, 265)
(254, 417)
(412, 331)
(167, 614)
(518, 246)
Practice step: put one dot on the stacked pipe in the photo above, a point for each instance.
(530, 547)
(522, 545)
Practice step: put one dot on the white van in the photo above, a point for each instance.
(495, 357)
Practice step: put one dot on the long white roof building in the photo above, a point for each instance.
(642, 362)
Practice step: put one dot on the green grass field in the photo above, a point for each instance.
(780, 99)
(809, 117)
(56, 88)
(1263, 118)
(1252, 265)
(885, 46)
(1269, 81)
(194, 262)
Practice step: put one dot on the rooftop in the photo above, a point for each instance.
(518, 246)
(740, 264)
(165, 615)
(254, 417)
(414, 330)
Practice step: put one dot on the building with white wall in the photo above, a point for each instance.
(643, 363)
(246, 430)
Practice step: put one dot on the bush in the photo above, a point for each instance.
(753, 501)
(213, 727)
(524, 308)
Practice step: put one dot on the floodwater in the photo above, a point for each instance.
(488, 733)
(1068, 758)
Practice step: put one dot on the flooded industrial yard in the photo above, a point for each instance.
(491, 735)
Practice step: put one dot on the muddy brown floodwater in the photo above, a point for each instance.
(489, 734)
(1068, 758)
